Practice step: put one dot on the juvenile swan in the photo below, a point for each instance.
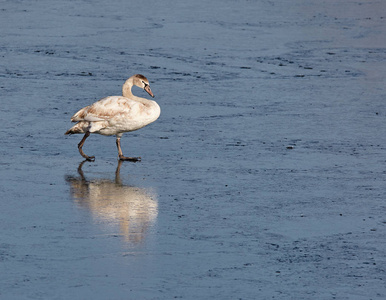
(115, 115)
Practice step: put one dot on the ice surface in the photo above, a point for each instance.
(264, 177)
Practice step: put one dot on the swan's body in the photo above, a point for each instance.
(115, 115)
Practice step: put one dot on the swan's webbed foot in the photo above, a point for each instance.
(125, 158)
(120, 154)
(89, 158)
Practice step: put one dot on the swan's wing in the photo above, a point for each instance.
(105, 109)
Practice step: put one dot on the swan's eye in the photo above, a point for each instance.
(145, 83)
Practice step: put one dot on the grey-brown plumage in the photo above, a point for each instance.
(115, 115)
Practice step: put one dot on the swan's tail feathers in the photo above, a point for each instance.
(80, 127)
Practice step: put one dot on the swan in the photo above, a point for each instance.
(115, 115)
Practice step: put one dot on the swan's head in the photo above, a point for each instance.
(142, 82)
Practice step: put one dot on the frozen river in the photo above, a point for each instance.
(263, 178)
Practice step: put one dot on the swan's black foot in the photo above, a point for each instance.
(89, 158)
(125, 158)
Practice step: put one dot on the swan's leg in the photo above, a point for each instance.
(80, 145)
(120, 154)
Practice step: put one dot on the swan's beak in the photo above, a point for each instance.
(148, 90)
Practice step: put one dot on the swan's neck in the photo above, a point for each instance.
(126, 92)
(126, 88)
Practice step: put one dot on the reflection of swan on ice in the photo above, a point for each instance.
(134, 209)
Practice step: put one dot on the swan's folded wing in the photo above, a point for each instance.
(105, 109)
